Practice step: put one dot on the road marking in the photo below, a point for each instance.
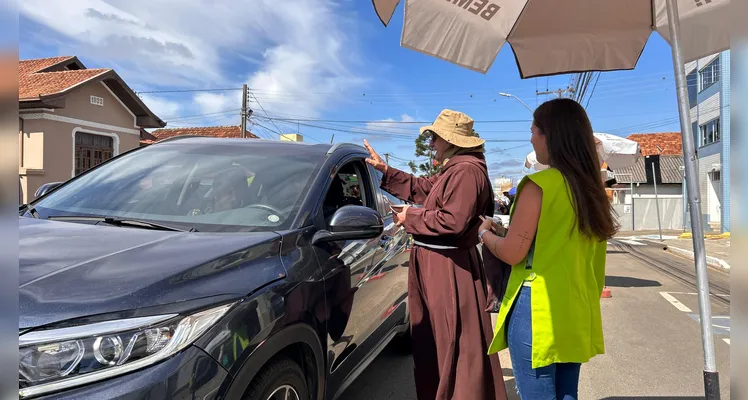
(631, 242)
(696, 294)
(727, 340)
(677, 304)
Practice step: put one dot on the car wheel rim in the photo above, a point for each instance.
(285, 392)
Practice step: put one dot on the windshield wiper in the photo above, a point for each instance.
(116, 221)
(31, 210)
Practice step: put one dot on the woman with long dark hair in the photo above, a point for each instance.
(550, 317)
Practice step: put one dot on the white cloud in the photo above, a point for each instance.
(391, 124)
(390, 127)
(213, 103)
(301, 57)
(162, 107)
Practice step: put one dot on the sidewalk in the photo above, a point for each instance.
(717, 247)
(717, 250)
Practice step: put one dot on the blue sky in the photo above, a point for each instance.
(314, 66)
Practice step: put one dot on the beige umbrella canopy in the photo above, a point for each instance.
(553, 36)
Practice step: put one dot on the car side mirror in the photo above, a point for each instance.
(46, 188)
(351, 223)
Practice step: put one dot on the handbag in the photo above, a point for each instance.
(497, 276)
(497, 271)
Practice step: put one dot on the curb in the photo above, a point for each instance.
(713, 261)
(689, 235)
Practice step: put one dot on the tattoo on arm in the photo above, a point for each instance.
(525, 237)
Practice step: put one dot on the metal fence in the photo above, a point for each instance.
(642, 214)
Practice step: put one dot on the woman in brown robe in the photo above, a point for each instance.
(446, 283)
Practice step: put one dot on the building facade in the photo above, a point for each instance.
(649, 194)
(709, 97)
(71, 119)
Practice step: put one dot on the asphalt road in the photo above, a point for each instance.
(652, 336)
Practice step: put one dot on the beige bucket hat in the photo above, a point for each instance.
(456, 128)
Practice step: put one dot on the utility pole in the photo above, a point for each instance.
(558, 92)
(387, 158)
(244, 111)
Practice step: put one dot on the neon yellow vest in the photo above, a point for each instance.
(567, 278)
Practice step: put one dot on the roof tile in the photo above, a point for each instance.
(32, 86)
(233, 131)
(670, 143)
(30, 66)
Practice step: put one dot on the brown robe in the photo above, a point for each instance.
(447, 287)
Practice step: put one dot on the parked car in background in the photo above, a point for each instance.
(210, 268)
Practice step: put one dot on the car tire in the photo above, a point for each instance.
(275, 380)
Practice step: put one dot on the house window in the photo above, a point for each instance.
(709, 132)
(693, 84)
(91, 150)
(709, 75)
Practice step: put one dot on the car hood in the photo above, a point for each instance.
(70, 270)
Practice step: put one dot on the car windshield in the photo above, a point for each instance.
(213, 188)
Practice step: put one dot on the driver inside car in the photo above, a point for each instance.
(228, 192)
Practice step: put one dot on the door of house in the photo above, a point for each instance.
(715, 196)
(91, 150)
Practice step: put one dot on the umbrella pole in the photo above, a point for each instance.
(711, 376)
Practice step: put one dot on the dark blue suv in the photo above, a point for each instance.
(207, 268)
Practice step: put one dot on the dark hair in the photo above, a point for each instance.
(572, 150)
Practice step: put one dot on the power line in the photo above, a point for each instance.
(188, 90)
(593, 91)
(266, 129)
(306, 134)
(263, 110)
(264, 92)
(179, 118)
(393, 122)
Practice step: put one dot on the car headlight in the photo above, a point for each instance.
(57, 359)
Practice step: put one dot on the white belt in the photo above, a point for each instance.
(434, 246)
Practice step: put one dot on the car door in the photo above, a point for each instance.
(347, 265)
(391, 263)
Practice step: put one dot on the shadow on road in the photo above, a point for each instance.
(627, 281)
(390, 377)
(616, 252)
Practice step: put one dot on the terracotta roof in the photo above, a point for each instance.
(36, 65)
(42, 81)
(233, 131)
(669, 171)
(35, 85)
(669, 142)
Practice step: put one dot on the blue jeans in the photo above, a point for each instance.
(553, 382)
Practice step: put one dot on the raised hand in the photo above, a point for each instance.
(374, 160)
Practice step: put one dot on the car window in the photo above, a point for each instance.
(214, 188)
(349, 186)
(387, 198)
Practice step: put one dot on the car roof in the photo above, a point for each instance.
(314, 148)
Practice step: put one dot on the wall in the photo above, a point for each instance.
(668, 189)
(645, 214)
(711, 103)
(725, 139)
(78, 105)
(624, 219)
(47, 138)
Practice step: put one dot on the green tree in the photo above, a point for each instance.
(423, 149)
